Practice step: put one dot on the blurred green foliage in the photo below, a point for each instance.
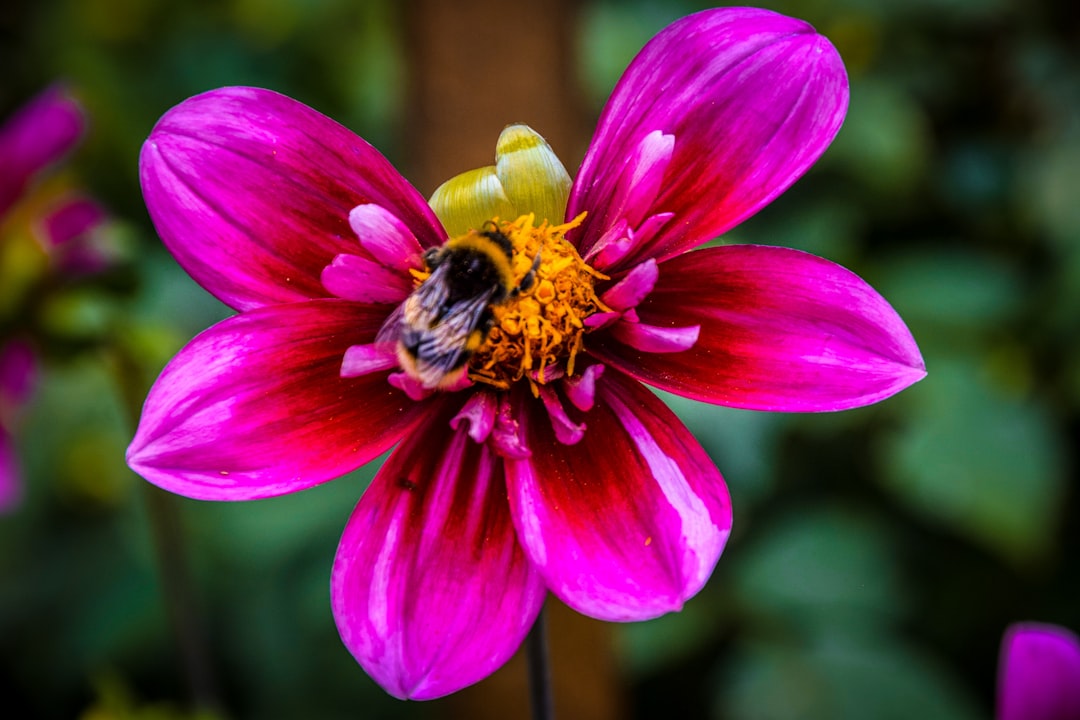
(878, 554)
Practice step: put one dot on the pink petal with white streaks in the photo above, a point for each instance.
(632, 288)
(628, 523)
(752, 99)
(431, 590)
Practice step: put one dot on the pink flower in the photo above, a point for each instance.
(536, 460)
(1039, 673)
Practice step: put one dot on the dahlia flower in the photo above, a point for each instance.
(1039, 673)
(531, 457)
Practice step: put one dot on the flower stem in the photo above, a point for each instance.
(187, 625)
(536, 651)
(167, 531)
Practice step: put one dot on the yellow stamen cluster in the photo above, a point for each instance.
(540, 328)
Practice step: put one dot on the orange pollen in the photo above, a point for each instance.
(542, 327)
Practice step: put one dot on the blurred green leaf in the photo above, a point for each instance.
(951, 290)
(988, 465)
(839, 678)
(885, 142)
(819, 567)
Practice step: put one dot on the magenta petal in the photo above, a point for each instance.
(628, 523)
(641, 177)
(353, 277)
(632, 288)
(780, 330)
(566, 430)
(38, 135)
(70, 233)
(752, 99)
(479, 414)
(581, 389)
(431, 590)
(388, 239)
(256, 405)
(1039, 673)
(652, 339)
(251, 191)
(508, 435)
(366, 359)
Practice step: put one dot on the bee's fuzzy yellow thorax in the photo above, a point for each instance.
(541, 328)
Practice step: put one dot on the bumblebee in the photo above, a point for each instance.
(448, 317)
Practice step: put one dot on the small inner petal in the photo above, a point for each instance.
(365, 359)
(466, 201)
(383, 235)
(581, 389)
(508, 436)
(479, 411)
(356, 278)
(654, 339)
(566, 430)
(632, 289)
(639, 182)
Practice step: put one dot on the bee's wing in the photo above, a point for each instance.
(427, 303)
(417, 313)
(391, 328)
(445, 347)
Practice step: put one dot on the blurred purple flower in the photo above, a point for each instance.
(548, 464)
(32, 141)
(1039, 673)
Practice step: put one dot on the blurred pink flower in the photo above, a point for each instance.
(38, 135)
(68, 232)
(1039, 673)
(549, 465)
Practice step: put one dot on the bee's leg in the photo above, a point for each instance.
(483, 325)
(530, 277)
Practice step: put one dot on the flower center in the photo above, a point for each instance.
(537, 331)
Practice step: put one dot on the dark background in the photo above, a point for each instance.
(878, 554)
